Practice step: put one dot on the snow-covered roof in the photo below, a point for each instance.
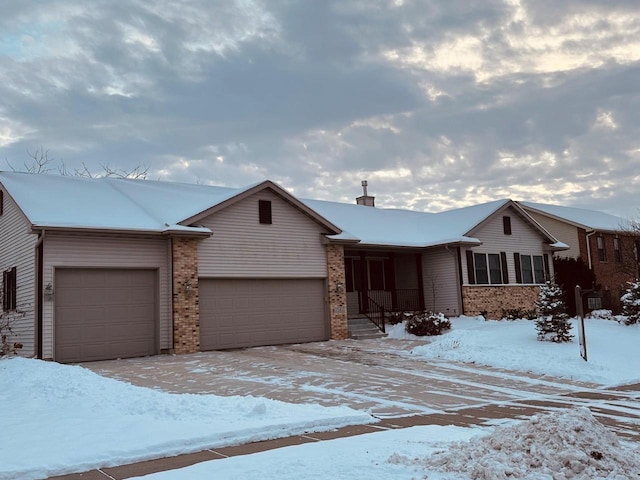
(588, 219)
(108, 203)
(389, 227)
(407, 228)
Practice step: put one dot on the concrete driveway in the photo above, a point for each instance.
(380, 376)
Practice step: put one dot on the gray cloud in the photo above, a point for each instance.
(439, 104)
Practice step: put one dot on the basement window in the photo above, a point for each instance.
(264, 211)
(9, 290)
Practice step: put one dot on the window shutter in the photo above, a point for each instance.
(505, 271)
(516, 259)
(547, 272)
(14, 287)
(5, 293)
(470, 271)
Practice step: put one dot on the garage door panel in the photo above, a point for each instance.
(238, 313)
(105, 313)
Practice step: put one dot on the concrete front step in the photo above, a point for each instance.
(362, 328)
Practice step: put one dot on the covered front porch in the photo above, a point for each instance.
(382, 281)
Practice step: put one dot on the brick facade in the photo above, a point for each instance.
(186, 315)
(337, 292)
(493, 300)
(612, 274)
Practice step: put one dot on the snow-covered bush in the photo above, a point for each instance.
(601, 314)
(427, 323)
(7, 347)
(553, 322)
(631, 303)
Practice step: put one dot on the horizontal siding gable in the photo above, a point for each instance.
(524, 239)
(563, 232)
(17, 249)
(241, 247)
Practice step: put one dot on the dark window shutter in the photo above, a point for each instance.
(264, 211)
(506, 223)
(547, 273)
(516, 259)
(14, 278)
(5, 291)
(470, 271)
(505, 271)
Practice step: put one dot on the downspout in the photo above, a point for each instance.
(589, 249)
(39, 251)
(172, 291)
(458, 257)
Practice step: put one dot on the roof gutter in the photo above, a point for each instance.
(120, 231)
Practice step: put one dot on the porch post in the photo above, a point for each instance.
(420, 280)
(363, 294)
(390, 279)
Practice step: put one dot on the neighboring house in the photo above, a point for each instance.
(112, 268)
(606, 243)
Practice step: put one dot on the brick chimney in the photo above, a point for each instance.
(365, 199)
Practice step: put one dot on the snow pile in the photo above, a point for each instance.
(561, 445)
(63, 419)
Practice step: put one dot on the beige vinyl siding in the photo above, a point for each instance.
(241, 247)
(108, 252)
(523, 240)
(17, 249)
(563, 232)
(439, 274)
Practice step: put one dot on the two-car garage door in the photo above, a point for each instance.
(238, 313)
(105, 313)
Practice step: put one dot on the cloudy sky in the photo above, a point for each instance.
(438, 103)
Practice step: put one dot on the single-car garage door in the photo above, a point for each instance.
(103, 314)
(238, 313)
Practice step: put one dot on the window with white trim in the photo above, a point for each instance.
(530, 268)
(602, 254)
(488, 269)
(617, 254)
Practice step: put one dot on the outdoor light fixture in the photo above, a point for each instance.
(48, 292)
(187, 288)
(339, 287)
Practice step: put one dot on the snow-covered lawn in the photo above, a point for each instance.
(613, 349)
(61, 419)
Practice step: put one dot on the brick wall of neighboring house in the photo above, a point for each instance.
(337, 292)
(494, 300)
(612, 275)
(186, 315)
